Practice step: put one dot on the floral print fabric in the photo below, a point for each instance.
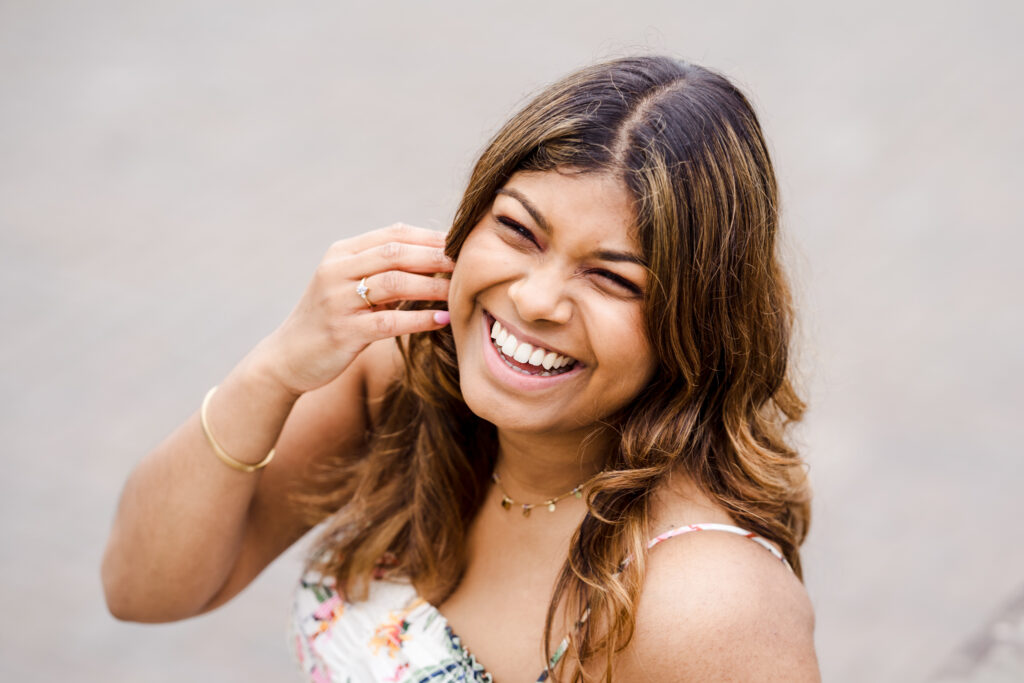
(397, 637)
(394, 636)
(760, 540)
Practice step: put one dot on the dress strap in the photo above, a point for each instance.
(760, 540)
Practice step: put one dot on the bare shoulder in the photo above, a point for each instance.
(325, 423)
(336, 412)
(718, 606)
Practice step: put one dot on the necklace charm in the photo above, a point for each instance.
(507, 501)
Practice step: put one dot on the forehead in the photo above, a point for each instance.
(586, 205)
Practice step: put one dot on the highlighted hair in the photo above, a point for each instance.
(687, 145)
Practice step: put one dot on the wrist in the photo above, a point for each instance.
(261, 374)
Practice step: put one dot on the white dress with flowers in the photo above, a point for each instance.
(398, 637)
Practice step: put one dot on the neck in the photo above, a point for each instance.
(539, 467)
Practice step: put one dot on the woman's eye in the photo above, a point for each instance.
(619, 281)
(516, 228)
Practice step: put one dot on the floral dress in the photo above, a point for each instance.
(398, 637)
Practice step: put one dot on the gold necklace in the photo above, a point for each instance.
(507, 502)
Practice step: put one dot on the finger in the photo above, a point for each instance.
(399, 232)
(413, 258)
(396, 285)
(389, 323)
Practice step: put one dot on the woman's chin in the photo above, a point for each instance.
(508, 417)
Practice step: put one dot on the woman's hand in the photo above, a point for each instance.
(202, 531)
(332, 323)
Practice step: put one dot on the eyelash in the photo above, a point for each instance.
(525, 234)
(517, 228)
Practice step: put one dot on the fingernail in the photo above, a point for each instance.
(442, 317)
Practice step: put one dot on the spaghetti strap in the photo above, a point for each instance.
(760, 540)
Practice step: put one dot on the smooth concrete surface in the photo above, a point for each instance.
(171, 172)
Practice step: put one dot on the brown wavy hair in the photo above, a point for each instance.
(687, 145)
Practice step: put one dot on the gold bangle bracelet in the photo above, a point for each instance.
(221, 453)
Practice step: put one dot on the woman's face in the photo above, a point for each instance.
(552, 270)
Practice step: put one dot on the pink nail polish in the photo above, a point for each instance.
(442, 317)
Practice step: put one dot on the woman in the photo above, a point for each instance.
(614, 375)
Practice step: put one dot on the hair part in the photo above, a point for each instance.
(688, 147)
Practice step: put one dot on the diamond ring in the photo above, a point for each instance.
(362, 290)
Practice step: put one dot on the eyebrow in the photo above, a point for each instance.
(530, 208)
(535, 214)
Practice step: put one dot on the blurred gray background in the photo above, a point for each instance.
(171, 173)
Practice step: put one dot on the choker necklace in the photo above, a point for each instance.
(507, 502)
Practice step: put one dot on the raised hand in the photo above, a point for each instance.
(334, 320)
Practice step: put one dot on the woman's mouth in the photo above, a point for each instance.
(527, 358)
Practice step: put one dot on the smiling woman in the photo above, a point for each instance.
(536, 264)
(614, 378)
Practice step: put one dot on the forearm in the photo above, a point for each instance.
(183, 512)
(179, 542)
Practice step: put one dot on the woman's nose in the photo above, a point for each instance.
(539, 294)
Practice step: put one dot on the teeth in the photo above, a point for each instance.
(526, 353)
(509, 346)
(523, 353)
